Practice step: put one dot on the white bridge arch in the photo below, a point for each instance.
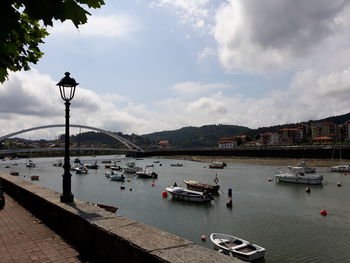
(130, 145)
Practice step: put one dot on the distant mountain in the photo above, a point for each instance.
(193, 137)
(208, 135)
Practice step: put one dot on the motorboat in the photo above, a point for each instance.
(58, 163)
(30, 164)
(81, 170)
(180, 193)
(297, 175)
(237, 247)
(14, 173)
(196, 186)
(176, 164)
(91, 165)
(145, 173)
(115, 168)
(217, 165)
(340, 168)
(307, 169)
(131, 168)
(77, 160)
(116, 177)
(34, 177)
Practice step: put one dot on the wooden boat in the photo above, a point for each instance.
(34, 177)
(180, 193)
(217, 165)
(237, 247)
(297, 175)
(14, 173)
(196, 186)
(108, 208)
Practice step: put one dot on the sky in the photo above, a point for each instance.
(146, 66)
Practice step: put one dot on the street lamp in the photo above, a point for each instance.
(67, 87)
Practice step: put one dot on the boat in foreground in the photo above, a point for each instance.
(237, 247)
(297, 175)
(196, 186)
(180, 193)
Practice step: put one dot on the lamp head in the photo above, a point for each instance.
(67, 87)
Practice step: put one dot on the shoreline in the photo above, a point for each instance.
(259, 161)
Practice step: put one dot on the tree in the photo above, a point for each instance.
(23, 26)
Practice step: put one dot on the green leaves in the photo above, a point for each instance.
(23, 27)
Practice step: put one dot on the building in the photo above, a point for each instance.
(164, 144)
(324, 129)
(226, 143)
(347, 131)
(290, 135)
(269, 138)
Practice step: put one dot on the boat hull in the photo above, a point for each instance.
(237, 247)
(312, 179)
(214, 189)
(179, 193)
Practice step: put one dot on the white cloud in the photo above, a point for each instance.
(113, 26)
(205, 53)
(195, 88)
(260, 36)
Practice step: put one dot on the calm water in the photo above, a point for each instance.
(280, 217)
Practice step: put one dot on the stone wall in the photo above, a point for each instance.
(102, 236)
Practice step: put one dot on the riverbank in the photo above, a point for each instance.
(258, 161)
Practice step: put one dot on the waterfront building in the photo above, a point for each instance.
(347, 131)
(324, 129)
(269, 138)
(226, 143)
(290, 135)
(164, 144)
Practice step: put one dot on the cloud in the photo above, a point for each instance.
(195, 88)
(113, 26)
(260, 36)
(205, 53)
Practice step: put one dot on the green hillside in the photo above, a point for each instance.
(194, 137)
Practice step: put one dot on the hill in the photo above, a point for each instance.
(194, 137)
(208, 135)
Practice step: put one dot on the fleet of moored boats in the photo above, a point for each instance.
(200, 193)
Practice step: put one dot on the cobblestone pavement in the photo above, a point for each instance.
(25, 239)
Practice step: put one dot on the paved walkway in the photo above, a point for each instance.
(25, 239)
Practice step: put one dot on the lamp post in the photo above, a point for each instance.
(67, 87)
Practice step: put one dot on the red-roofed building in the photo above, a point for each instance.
(226, 143)
(322, 139)
(164, 144)
(324, 128)
(269, 138)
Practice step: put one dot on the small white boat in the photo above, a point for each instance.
(297, 175)
(30, 164)
(189, 195)
(131, 168)
(237, 247)
(307, 169)
(81, 170)
(340, 168)
(117, 177)
(145, 173)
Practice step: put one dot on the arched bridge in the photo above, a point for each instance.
(130, 145)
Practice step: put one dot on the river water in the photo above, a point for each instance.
(281, 217)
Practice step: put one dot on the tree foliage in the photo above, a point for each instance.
(23, 26)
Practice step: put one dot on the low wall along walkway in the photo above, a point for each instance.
(102, 236)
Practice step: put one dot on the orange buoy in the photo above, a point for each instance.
(165, 194)
(323, 212)
(204, 237)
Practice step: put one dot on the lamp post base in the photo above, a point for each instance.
(67, 198)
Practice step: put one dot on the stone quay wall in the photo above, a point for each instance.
(101, 236)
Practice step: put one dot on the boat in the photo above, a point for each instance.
(145, 173)
(237, 247)
(34, 177)
(30, 164)
(116, 168)
(77, 160)
(58, 163)
(81, 170)
(131, 168)
(297, 175)
(176, 164)
(180, 193)
(217, 165)
(91, 166)
(307, 169)
(196, 186)
(106, 161)
(14, 173)
(116, 177)
(340, 168)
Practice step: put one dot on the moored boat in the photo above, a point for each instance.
(131, 168)
(217, 165)
(91, 165)
(176, 164)
(81, 170)
(14, 173)
(307, 169)
(340, 168)
(34, 177)
(237, 247)
(180, 193)
(145, 173)
(196, 186)
(117, 177)
(297, 175)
